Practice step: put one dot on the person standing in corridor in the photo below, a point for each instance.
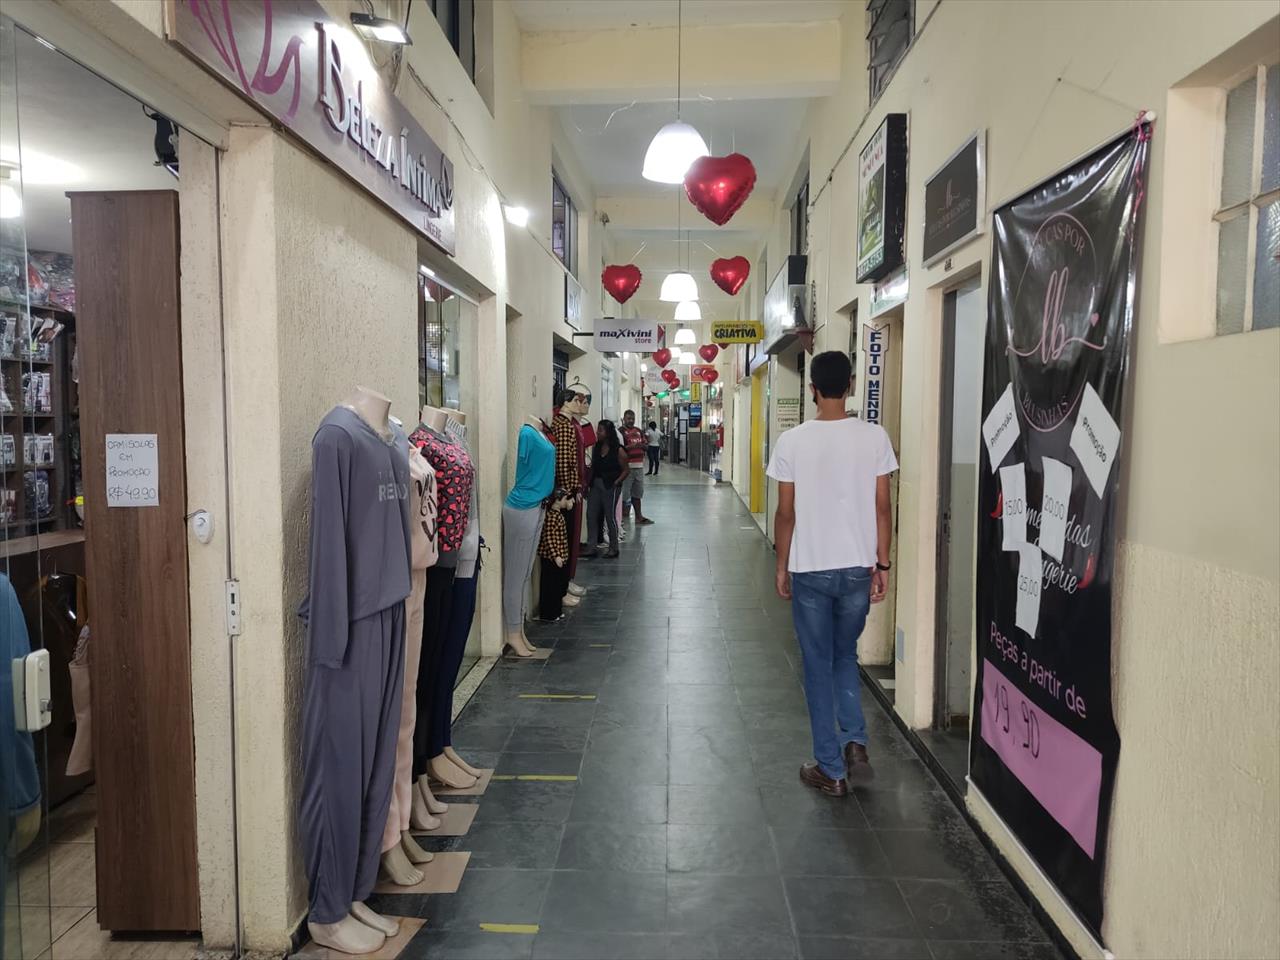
(608, 471)
(633, 442)
(833, 528)
(654, 437)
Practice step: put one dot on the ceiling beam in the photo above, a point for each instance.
(745, 62)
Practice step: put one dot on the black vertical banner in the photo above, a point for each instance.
(1063, 282)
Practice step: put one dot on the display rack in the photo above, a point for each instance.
(24, 419)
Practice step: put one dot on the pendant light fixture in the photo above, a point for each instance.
(679, 287)
(674, 147)
(687, 310)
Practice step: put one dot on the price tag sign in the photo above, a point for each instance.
(133, 470)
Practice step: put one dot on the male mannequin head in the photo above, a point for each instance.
(576, 401)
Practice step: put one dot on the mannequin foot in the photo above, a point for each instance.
(577, 589)
(461, 764)
(570, 600)
(399, 871)
(376, 921)
(434, 807)
(348, 935)
(443, 771)
(420, 818)
(519, 646)
(413, 851)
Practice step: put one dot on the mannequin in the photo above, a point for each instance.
(354, 612)
(445, 762)
(454, 477)
(19, 776)
(523, 515)
(575, 405)
(400, 852)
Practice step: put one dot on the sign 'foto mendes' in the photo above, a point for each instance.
(737, 331)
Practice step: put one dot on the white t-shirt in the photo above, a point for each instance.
(834, 465)
(654, 437)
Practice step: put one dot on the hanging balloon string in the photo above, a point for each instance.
(638, 252)
(679, 50)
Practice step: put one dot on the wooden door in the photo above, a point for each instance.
(126, 270)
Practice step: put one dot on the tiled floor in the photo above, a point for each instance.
(687, 834)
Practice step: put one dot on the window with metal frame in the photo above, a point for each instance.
(457, 18)
(564, 225)
(1248, 209)
(890, 26)
(800, 220)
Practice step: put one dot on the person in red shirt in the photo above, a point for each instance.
(633, 444)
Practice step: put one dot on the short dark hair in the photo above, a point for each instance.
(831, 373)
(653, 425)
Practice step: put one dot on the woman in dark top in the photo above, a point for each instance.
(608, 470)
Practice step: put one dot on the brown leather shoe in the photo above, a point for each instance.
(858, 764)
(811, 775)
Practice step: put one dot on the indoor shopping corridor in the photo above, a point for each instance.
(645, 801)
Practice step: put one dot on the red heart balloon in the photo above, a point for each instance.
(621, 281)
(723, 346)
(711, 375)
(719, 186)
(708, 352)
(671, 377)
(730, 274)
(662, 357)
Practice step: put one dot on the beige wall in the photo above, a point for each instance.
(1194, 863)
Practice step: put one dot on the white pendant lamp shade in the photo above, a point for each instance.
(671, 152)
(688, 358)
(687, 311)
(679, 286)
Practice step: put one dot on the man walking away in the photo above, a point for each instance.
(833, 528)
(633, 442)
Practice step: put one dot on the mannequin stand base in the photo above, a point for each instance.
(441, 875)
(391, 947)
(538, 656)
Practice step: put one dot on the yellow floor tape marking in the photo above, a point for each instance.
(556, 696)
(540, 777)
(606, 646)
(509, 927)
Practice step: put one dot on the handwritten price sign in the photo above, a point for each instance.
(133, 470)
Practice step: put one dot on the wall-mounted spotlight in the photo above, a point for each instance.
(380, 28)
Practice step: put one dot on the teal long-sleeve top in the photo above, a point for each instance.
(535, 469)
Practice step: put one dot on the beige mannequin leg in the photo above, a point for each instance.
(396, 865)
(436, 808)
(413, 851)
(384, 925)
(443, 771)
(348, 935)
(461, 764)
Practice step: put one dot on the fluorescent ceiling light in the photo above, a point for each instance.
(687, 310)
(679, 286)
(516, 216)
(672, 151)
(426, 270)
(380, 28)
(644, 368)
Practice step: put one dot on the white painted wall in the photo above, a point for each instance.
(1196, 602)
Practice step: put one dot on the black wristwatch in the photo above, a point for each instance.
(884, 566)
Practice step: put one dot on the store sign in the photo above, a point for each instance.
(695, 414)
(1044, 746)
(786, 304)
(133, 470)
(572, 302)
(738, 331)
(633, 336)
(889, 292)
(695, 389)
(882, 199)
(313, 75)
(954, 201)
(875, 344)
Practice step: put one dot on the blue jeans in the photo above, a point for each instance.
(830, 609)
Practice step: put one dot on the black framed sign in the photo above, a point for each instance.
(954, 200)
(882, 199)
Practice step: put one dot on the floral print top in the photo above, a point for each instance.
(454, 477)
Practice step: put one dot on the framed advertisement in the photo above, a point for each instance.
(955, 200)
(882, 199)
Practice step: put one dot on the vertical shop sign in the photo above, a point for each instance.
(882, 199)
(572, 301)
(786, 413)
(314, 75)
(1064, 271)
(875, 341)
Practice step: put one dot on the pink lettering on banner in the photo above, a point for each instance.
(1059, 769)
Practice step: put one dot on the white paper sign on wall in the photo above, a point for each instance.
(133, 470)
(1013, 490)
(1055, 506)
(1030, 572)
(1095, 439)
(1001, 428)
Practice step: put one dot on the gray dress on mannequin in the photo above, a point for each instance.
(354, 611)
